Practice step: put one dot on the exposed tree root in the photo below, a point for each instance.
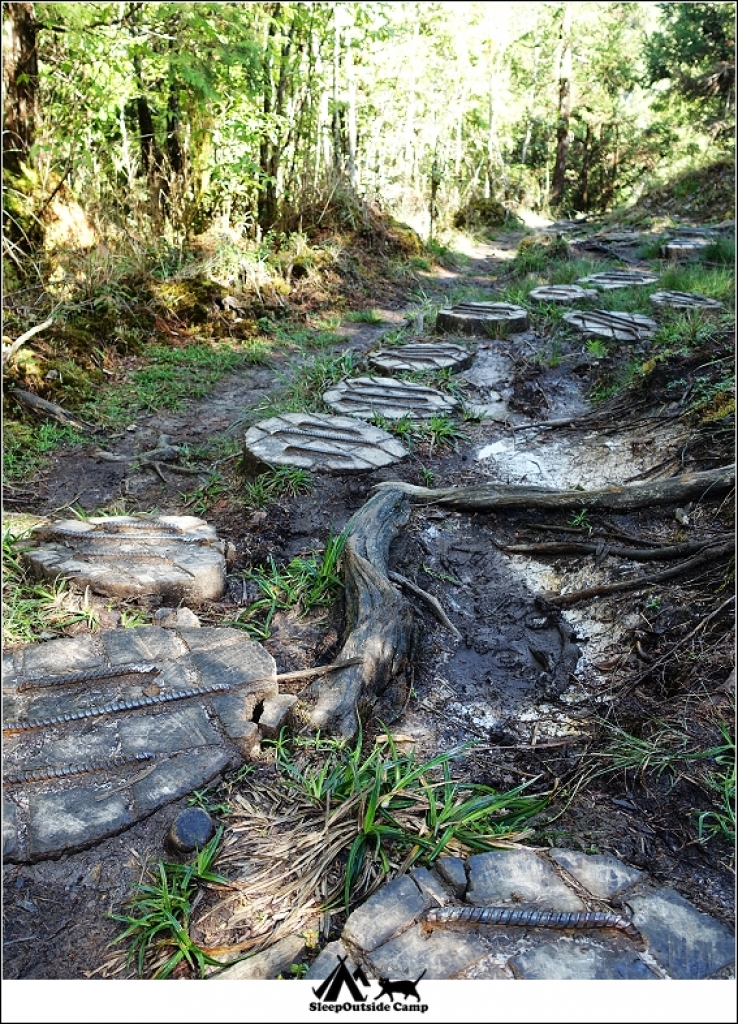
(379, 619)
(494, 497)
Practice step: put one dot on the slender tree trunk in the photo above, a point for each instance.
(351, 112)
(336, 77)
(584, 174)
(20, 84)
(564, 109)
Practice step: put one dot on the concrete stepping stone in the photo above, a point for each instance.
(684, 300)
(615, 326)
(176, 558)
(684, 248)
(391, 399)
(99, 732)
(315, 441)
(391, 936)
(612, 279)
(420, 357)
(495, 319)
(562, 293)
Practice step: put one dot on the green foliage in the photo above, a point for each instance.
(364, 316)
(306, 582)
(26, 446)
(282, 481)
(160, 914)
(404, 807)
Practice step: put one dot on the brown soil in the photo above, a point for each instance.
(527, 683)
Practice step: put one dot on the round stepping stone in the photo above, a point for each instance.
(391, 399)
(176, 558)
(315, 441)
(684, 300)
(99, 732)
(562, 293)
(420, 357)
(616, 326)
(485, 318)
(612, 279)
(683, 248)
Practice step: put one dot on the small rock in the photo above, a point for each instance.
(191, 830)
(274, 713)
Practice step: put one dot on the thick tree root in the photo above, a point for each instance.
(379, 619)
(493, 497)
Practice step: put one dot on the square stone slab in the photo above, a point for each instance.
(95, 741)
(391, 399)
(421, 357)
(495, 319)
(684, 300)
(615, 326)
(611, 279)
(314, 441)
(684, 248)
(176, 558)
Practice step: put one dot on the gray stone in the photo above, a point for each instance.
(612, 279)
(482, 318)
(171, 618)
(615, 326)
(69, 819)
(684, 300)
(579, 960)
(436, 954)
(454, 871)
(394, 907)
(58, 657)
(503, 875)
(314, 441)
(686, 248)
(421, 357)
(562, 294)
(168, 731)
(144, 644)
(267, 965)
(690, 945)
(274, 714)
(177, 776)
(327, 960)
(601, 874)
(191, 830)
(430, 884)
(235, 710)
(388, 398)
(174, 557)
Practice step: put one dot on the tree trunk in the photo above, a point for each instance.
(562, 129)
(20, 84)
(351, 113)
(336, 76)
(266, 206)
(584, 173)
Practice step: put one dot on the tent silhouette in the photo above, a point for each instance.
(330, 990)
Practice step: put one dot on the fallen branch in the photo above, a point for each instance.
(605, 550)
(492, 497)
(10, 350)
(429, 599)
(708, 554)
(43, 408)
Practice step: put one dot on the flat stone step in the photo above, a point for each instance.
(684, 300)
(98, 732)
(684, 248)
(484, 318)
(176, 558)
(315, 441)
(391, 399)
(612, 279)
(616, 326)
(562, 293)
(421, 357)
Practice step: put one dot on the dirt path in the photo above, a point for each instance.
(525, 681)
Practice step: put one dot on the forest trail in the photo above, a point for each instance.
(522, 673)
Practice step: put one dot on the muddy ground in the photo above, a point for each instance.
(528, 682)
